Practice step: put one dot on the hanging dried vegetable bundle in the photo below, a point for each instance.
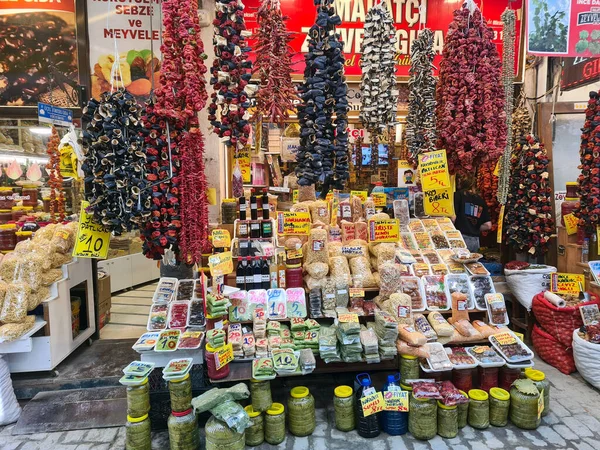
(420, 120)
(230, 74)
(529, 222)
(487, 184)
(471, 119)
(181, 95)
(276, 94)
(323, 146)
(379, 96)
(57, 203)
(114, 165)
(588, 210)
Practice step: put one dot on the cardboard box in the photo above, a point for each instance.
(104, 306)
(104, 289)
(104, 319)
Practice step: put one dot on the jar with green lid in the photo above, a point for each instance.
(447, 420)
(255, 434)
(543, 385)
(181, 394)
(479, 409)
(137, 433)
(220, 437)
(409, 367)
(463, 411)
(499, 406)
(183, 430)
(260, 391)
(301, 412)
(343, 403)
(525, 404)
(138, 400)
(422, 418)
(275, 424)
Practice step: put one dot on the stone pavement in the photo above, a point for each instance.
(574, 423)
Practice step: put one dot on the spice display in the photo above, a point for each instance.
(321, 151)
(301, 412)
(529, 222)
(421, 119)
(524, 400)
(447, 420)
(55, 180)
(276, 94)
(422, 418)
(343, 403)
(255, 433)
(479, 409)
(409, 367)
(499, 407)
(260, 392)
(220, 437)
(138, 433)
(181, 394)
(275, 424)
(138, 400)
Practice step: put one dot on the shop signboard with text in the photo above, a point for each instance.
(409, 17)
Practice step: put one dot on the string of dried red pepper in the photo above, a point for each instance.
(57, 199)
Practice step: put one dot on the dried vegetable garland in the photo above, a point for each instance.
(57, 204)
(114, 161)
(521, 122)
(588, 210)
(529, 222)
(379, 96)
(487, 184)
(508, 70)
(420, 121)
(181, 95)
(230, 74)
(276, 94)
(471, 119)
(323, 146)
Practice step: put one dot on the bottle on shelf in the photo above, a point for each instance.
(281, 270)
(257, 273)
(253, 206)
(240, 274)
(367, 427)
(244, 247)
(585, 250)
(242, 208)
(593, 249)
(273, 272)
(243, 231)
(266, 228)
(265, 274)
(266, 213)
(249, 274)
(255, 229)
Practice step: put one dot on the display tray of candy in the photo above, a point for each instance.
(435, 293)
(486, 356)
(481, 285)
(157, 319)
(460, 358)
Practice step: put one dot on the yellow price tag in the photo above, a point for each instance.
(220, 264)
(505, 339)
(68, 162)
(221, 238)
(570, 223)
(293, 254)
(242, 157)
(395, 401)
(372, 404)
(497, 168)
(433, 167)
(380, 199)
(295, 196)
(541, 404)
(293, 223)
(567, 283)
(439, 202)
(224, 356)
(93, 239)
(360, 194)
(356, 292)
(384, 230)
(346, 318)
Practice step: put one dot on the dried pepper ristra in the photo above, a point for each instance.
(588, 210)
(529, 222)
(487, 184)
(471, 120)
(57, 203)
(420, 121)
(276, 94)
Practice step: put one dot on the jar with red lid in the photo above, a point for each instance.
(508, 376)
(6, 198)
(293, 277)
(30, 195)
(8, 237)
(211, 364)
(463, 379)
(488, 378)
(572, 189)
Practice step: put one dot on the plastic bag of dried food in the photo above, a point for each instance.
(301, 207)
(460, 306)
(335, 233)
(3, 288)
(62, 240)
(357, 208)
(405, 349)
(483, 328)
(451, 395)
(386, 253)
(58, 259)
(319, 211)
(390, 277)
(334, 249)
(413, 337)
(30, 270)
(400, 306)
(317, 270)
(45, 233)
(422, 325)
(373, 261)
(426, 390)
(37, 297)
(12, 331)
(369, 208)
(8, 267)
(348, 231)
(340, 271)
(361, 273)
(317, 248)
(306, 193)
(380, 216)
(328, 294)
(24, 247)
(16, 301)
(440, 324)
(51, 276)
(314, 283)
(465, 328)
(361, 230)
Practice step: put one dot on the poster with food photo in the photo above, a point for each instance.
(131, 30)
(38, 53)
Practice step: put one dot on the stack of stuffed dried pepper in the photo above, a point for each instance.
(487, 184)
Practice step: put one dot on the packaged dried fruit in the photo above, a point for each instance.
(423, 240)
(418, 257)
(460, 283)
(456, 268)
(439, 240)
(486, 356)
(157, 319)
(430, 225)
(178, 314)
(435, 293)
(439, 269)
(511, 347)
(457, 243)
(496, 309)
(416, 226)
(412, 286)
(421, 269)
(477, 269)
(431, 257)
(481, 285)
(438, 359)
(461, 358)
(407, 241)
(190, 340)
(185, 289)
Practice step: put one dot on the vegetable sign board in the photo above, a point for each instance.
(92, 239)
(439, 202)
(567, 283)
(409, 16)
(433, 167)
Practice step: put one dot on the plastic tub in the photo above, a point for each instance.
(211, 365)
(479, 409)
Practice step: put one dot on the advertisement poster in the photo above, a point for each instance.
(408, 15)
(563, 28)
(133, 27)
(38, 55)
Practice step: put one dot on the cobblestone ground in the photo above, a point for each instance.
(574, 423)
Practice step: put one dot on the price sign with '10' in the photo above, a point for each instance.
(276, 304)
(92, 239)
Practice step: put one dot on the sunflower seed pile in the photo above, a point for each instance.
(421, 119)
(378, 91)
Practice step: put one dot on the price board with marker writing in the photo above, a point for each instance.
(93, 239)
(276, 304)
(296, 302)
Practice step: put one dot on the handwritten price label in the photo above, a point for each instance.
(570, 223)
(221, 238)
(372, 404)
(92, 239)
(438, 202)
(433, 167)
(356, 292)
(167, 341)
(293, 223)
(505, 339)
(395, 401)
(385, 230)
(220, 264)
(296, 302)
(276, 299)
(224, 356)
(360, 194)
(380, 199)
(348, 318)
(567, 283)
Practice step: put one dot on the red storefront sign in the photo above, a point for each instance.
(408, 16)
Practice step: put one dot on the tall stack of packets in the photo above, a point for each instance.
(386, 329)
(348, 334)
(259, 323)
(328, 344)
(234, 337)
(248, 344)
(216, 306)
(368, 339)
(216, 337)
(312, 335)
(298, 329)
(262, 347)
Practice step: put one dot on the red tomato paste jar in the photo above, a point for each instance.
(211, 364)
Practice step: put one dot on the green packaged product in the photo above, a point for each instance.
(255, 433)
(275, 424)
(220, 437)
(260, 392)
(183, 430)
(479, 409)
(447, 421)
(525, 404)
(409, 367)
(138, 400)
(463, 411)
(499, 406)
(422, 418)
(181, 394)
(137, 433)
(301, 412)
(343, 403)
(539, 378)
